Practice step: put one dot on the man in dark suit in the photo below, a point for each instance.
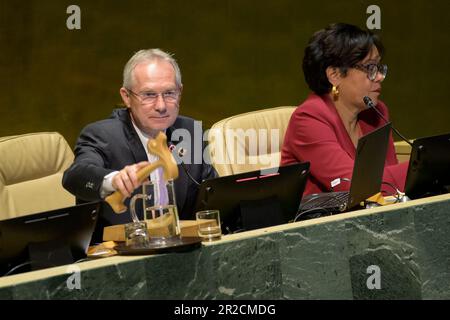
(109, 152)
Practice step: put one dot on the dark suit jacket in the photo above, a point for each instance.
(111, 144)
(317, 134)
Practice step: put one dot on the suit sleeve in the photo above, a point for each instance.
(313, 139)
(85, 176)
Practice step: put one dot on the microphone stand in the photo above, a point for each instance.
(402, 197)
(180, 153)
(369, 104)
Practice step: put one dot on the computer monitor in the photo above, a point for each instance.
(429, 167)
(255, 199)
(366, 178)
(368, 167)
(46, 239)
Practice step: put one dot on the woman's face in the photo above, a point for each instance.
(356, 84)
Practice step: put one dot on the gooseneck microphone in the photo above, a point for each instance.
(370, 105)
(180, 152)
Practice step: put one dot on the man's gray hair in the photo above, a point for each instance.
(148, 55)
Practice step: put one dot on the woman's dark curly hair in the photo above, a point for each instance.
(339, 45)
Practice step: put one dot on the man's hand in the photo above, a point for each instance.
(126, 180)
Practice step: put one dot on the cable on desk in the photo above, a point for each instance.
(399, 196)
(17, 267)
(318, 209)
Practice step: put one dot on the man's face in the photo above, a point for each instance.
(154, 97)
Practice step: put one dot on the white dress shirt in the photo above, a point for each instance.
(107, 187)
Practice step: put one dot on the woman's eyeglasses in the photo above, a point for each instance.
(372, 70)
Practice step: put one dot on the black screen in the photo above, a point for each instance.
(255, 199)
(46, 239)
(429, 167)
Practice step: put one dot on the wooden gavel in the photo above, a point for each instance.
(157, 146)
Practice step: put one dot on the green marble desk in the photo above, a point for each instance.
(326, 258)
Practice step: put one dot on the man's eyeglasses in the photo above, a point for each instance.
(150, 97)
(372, 70)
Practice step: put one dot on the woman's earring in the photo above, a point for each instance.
(335, 93)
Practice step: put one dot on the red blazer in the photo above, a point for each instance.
(317, 134)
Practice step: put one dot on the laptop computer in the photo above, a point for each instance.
(365, 182)
(428, 171)
(46, 239)
(255, 199)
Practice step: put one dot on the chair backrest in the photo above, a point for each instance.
(403, 150)
(249, 141)
(31, 169)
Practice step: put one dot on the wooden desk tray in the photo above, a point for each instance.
(181, 244)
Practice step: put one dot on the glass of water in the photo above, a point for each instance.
(208, 222)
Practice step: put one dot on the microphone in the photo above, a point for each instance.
(180, 152)
(370, 105)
